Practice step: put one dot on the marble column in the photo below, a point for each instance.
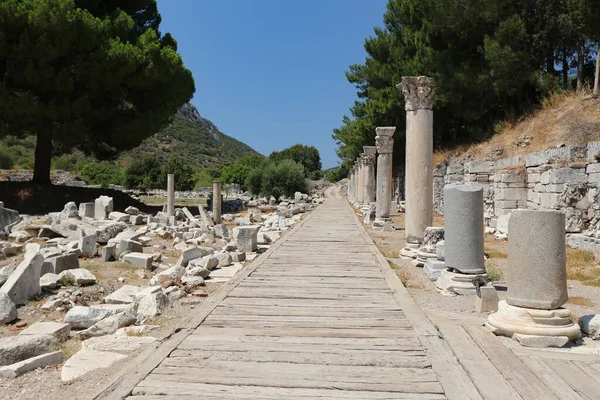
(385, 147)
(370, 153)
(532, 313)
(170, 195)
(361, 180)
(216, 202)
(418, 95)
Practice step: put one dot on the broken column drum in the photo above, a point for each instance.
(370, 153)
(170, 195)
(463, 226)
(216, 202)
(385, 147)
(418, 93)
(537, 282)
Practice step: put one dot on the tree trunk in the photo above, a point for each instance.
(597, 78)
(565, 70)
(43, 157)
(580, 62)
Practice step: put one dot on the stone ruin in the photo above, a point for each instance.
(51, 247)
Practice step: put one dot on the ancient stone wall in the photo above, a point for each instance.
(564, 178)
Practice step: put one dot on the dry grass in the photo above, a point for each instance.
(580, 301)
(493, 253)
(70, 347)
(581, 266)
(494, 273)
(570, 118)
(389, 252)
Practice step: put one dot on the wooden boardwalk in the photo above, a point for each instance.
(321, 315)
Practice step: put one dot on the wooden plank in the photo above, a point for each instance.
(575, 378)
(555, 354)
(392, 359)
(516, 373)
(138, 368)
(310, 331)
(329, 312)
(486, 378)
(154, 388)
(551, 379)
(314, 303)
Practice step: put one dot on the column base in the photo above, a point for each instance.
(534, 328)
(452, 283)
(382, 225)
(433, 268)
(410, 251)
(422, 257)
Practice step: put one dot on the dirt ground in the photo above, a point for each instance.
(583, 298)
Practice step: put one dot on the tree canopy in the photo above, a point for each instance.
(307, 156)
(489, 59)
(93, 75)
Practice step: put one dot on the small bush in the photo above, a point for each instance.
(6, 161)
(277, 179)
(102, 174)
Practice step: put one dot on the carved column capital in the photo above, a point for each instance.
(418, 92)
(369, 155)
(385, 144)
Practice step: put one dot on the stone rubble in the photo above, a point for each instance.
(60, 247)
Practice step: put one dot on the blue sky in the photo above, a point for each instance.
(271, 72)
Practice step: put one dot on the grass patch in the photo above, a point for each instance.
(494, 273)
(389, 253)
(580, 301)
(67, 280)
(581, 266)
(70, 347)
(492, 253)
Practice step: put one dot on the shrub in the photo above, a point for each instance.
(102, 174)
(277, 179)
(6, 161)
(144, 173)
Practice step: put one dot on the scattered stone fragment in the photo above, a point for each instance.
(198, 271)
(69, 211)
(49, 281)
(238, 256)
(80, 276)
(109, 253)
(123, 295)
(85, 361)
(590, 324)
(192, 253)
(8, 310)
(103, 206)
(5, 272)
(139, 260)
(30, 364)
(131, 210)
(83, 317)
(245, 237)
(224, 259)
(152, 305)
(24, 282)
(60, 263)
(57, 329)
(86, 210)
(21, 347)
(87, 245)
(109, 325)
(117, 343)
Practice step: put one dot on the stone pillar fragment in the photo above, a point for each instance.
(463, 247)
(385, 147)
(532, 313)
(361, 179)
(418, 94)
(370, 153)
(216, 202)
(170, 195)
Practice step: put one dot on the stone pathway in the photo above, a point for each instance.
(321, 315)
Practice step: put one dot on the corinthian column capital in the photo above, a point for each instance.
(418, 92)
(369, 155)
(384, 139)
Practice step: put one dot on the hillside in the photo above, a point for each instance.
(567, 118)
(190, 136)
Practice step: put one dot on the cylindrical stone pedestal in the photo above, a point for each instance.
(370, 153)
(385, 148)
(361, 180)
(537, 273)
(463, 227)
(537, 282)
(418, 93)
(170, 195)
(216, 203)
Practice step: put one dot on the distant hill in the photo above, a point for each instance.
(190, 136)
(193, 138)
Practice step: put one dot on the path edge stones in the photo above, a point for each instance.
(454, 380)
(122, 385)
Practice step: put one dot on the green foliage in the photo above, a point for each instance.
(336, 174)
(307, 156)
(239, 171)
(276, 179)
(102, 173)
(145, 173)
(184, 174)
(6, 161)
(99, 80)
(202, 178)
(488, 59)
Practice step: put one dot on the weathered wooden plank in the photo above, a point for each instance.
(551, 379)
(392, 359)
(154, 388)
(575, 378)
(313, 331)
(314, 303)
(329, 312)
(516, 373)
(486, 378)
